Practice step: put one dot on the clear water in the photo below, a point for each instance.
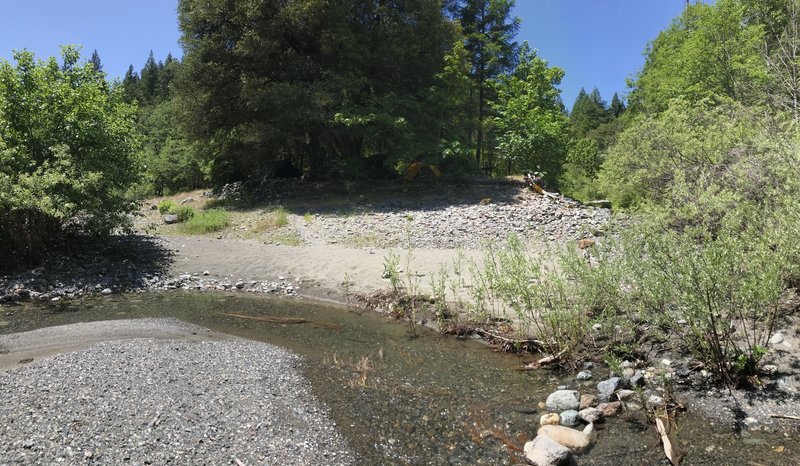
(424, 400)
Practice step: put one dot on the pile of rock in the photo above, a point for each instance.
(569, 410)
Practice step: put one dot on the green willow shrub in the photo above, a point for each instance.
(184, 213)
(67, 153)
(540, 295)
(166, 207)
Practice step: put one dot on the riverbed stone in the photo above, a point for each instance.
(610, 409)
(584, 375)
(590, 415)
(637, 380)
(587, 400)
(577, 441)
(549, 419)
(544, 451)
(607, 387)
(568, 418)
(625, 395)
(562, 400)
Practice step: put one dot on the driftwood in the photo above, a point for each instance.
(506, 342)
(285, 320)
(785, 416)
(671, 448)
(543, 362)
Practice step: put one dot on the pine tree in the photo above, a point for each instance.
(95, 61)
(149, 79)
(130, 85)
(489, 31)
(617, 107)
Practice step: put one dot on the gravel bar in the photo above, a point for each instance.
(146, 401)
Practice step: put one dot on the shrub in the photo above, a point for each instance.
(540, 295)
(67, 153)
(207, 221)
(166, 207)
(184, 213)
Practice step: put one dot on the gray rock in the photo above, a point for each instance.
(607, 387)
(542, 451)
(654, 401)
(562, 400)
(584, 375)
(588, 365)
(106, 291)
(590, 415)
(776, 339)
(637, 380)
(627, 373)
(187, 200)
(568, 418)
(169, 219)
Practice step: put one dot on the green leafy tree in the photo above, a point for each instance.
(710, 51)
(67, 153)
(532, 131)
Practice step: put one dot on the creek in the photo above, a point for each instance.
(403, 399)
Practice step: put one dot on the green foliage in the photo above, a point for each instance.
(184, 213)
(166, 207)
(531, 129)
(489, 31)
(206, 221)
(539, 294)
(325, 84)
(67, 152)
(709, 52)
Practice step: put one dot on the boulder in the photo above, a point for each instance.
(577, 441)
(169, 219)
(543, 451)
(562, 400)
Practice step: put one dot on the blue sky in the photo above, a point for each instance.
(597, 42)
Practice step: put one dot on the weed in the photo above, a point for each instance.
(206, 221)
(275, 219)
(308, 217)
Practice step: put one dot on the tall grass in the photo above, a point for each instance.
(206, 221)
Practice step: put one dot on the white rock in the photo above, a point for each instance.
(543, 451)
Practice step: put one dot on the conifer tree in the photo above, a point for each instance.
(617, 107)
(489, 31)
(95, 61)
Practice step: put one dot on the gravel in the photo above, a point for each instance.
(149, 401)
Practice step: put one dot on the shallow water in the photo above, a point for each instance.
(423, 400)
